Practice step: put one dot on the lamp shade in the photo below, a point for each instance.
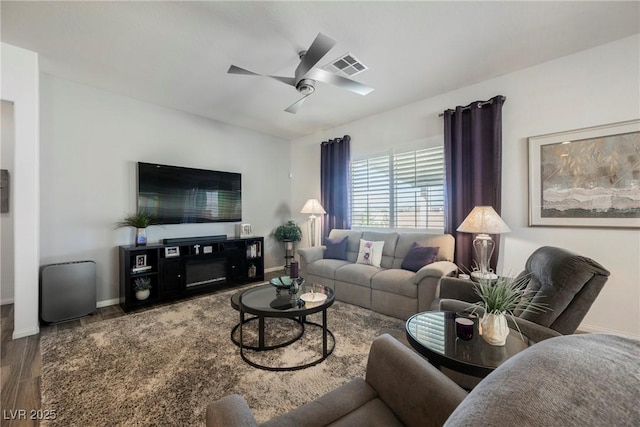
(313, 207)
(483, 219)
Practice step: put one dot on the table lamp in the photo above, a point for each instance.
(482, 221)
(314, 208)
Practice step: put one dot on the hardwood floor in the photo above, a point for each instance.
(21, 363)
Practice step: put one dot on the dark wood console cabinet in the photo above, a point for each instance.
(189, 267)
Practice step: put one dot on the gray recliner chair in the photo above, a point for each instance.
(576, 380)
(566, 282)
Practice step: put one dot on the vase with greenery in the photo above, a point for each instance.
(501, 298)
(142, 287)
(140, 220)
(288, 234)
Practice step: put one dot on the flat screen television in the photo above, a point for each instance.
(178, 195)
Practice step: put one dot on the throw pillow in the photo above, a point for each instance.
(370, 253)
(419, 256)
(336, 248)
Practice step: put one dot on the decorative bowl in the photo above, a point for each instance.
(285, 282)
(313, 297)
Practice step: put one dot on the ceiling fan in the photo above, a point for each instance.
(306, 76)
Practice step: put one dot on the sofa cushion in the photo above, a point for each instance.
(372, 413)
(388, 251)
(419, 256)
(325, 267)
(328, 408)
(370, 253)
(353, 241)
(336, 248)
(358, 274)
(396, 281)
(445, 242)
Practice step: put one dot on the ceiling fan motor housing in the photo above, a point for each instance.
(306, 86)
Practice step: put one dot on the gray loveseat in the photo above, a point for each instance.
(573, 380)
(387, 289)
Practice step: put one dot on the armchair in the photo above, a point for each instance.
(566, 282)
(400, 388)
(577, 380)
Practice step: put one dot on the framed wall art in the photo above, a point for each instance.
(586, 178)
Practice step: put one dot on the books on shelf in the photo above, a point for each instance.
(141, 269)
(254, 250)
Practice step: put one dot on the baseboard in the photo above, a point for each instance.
(598, 330)
(6, 301)
(108, 302)
(25, 332)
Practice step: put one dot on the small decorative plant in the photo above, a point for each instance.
(139, 219)
(289, 231)
(142, 284)
(507, 295)
(501, 298)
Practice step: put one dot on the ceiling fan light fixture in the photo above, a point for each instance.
(306, 86)
(306, 73)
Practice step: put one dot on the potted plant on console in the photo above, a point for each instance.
(288, 233)
(142, 287)
(140, 220)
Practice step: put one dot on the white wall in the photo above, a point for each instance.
(7, 144)
(20, 85)
(91, 141)
(593, 87)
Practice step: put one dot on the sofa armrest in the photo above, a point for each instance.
(417, 392)
(532, 330)
(435, 269)
(313, 254)
(427, 280)
(231, 410)
(459, 289)
(457, 305)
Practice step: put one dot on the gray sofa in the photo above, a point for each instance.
(573, 380)
(387, 289)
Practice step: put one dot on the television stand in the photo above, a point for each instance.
(188, 266)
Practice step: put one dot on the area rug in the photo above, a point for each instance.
(164, 366)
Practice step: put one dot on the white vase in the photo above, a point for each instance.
(141, 237)
(494, 328)
(144, 294)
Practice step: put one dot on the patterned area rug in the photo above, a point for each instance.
(164, 366)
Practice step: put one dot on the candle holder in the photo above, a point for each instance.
(464, 328)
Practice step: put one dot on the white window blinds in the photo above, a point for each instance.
(399, 190)
(370, 192)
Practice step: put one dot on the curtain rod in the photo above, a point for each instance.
(480, 104)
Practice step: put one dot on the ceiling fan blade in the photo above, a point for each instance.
(343, 82)
(286, 80)
(293, 108)
(319, 48)
(237, 70)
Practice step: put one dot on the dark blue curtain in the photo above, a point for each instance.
(473, 169)
(335, 156)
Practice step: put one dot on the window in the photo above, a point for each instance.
(399, 190)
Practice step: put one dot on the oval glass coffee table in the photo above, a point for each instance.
(267, 301)
(433, 334)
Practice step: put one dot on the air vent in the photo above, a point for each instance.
(347, 65)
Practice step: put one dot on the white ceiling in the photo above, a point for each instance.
(176, 54)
